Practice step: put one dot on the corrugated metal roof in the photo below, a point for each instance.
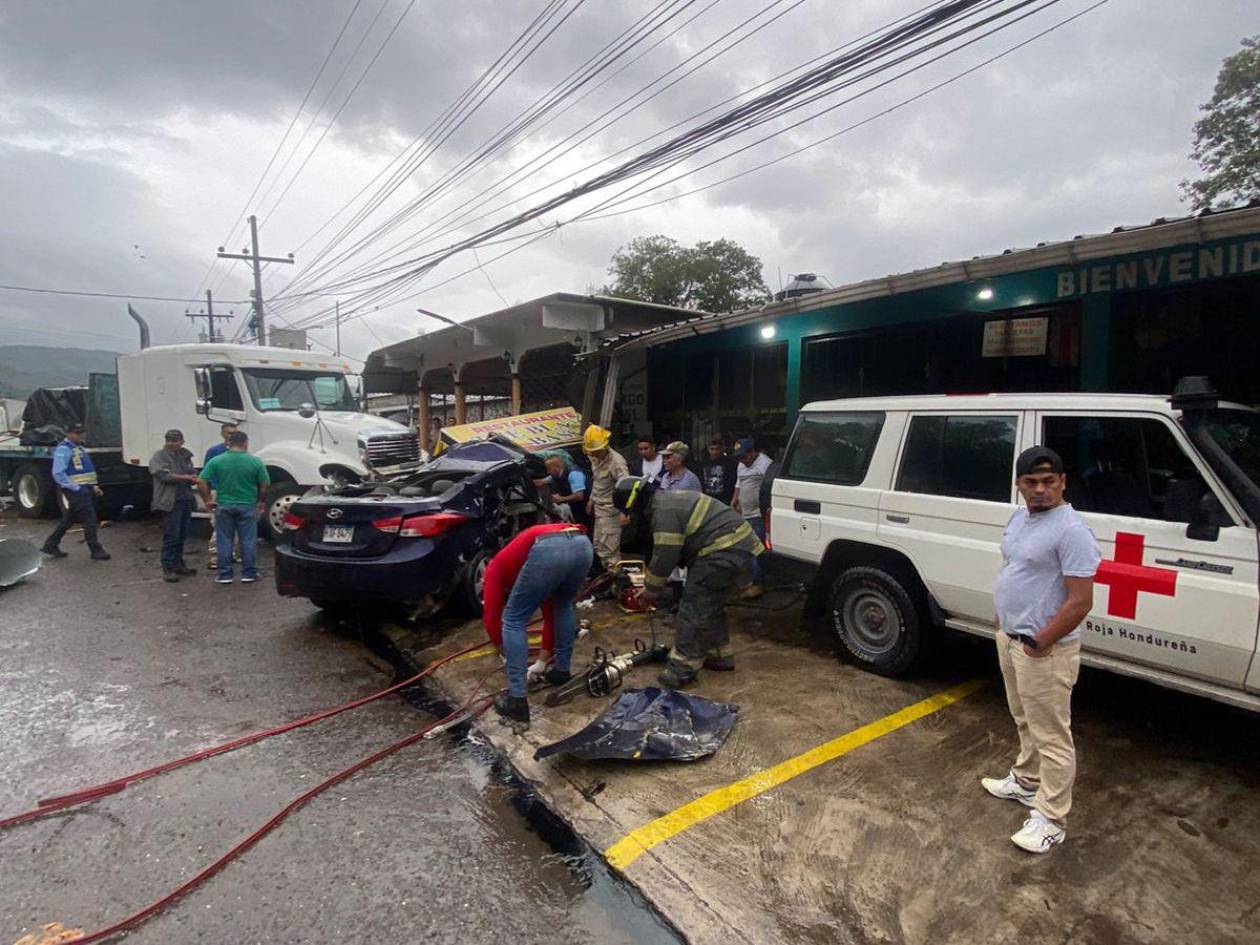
(1163, 231)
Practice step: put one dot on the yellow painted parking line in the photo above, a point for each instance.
(488, 649)
(638, 841)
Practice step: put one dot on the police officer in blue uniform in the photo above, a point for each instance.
(76, 477)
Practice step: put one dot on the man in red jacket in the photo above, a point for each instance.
(544, 566)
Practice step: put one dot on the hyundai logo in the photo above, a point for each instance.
(334, 513)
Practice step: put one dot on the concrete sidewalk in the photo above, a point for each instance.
(883, 833)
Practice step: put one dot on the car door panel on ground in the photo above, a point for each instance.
(1161, 597)
(952, 495)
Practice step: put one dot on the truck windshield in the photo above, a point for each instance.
(1238, 434)
(289, 390)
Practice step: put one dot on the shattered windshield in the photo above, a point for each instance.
(289, 390)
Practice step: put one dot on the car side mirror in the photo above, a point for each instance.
(201, 377)
(306, 410)
(1205, 524)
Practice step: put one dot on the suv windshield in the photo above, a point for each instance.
(1238, 434)
(289, 390)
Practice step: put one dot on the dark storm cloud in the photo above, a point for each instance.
(119, 118)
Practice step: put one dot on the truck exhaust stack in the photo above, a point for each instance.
(144, 327)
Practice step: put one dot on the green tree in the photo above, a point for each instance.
(719, 276)
(1227, 137)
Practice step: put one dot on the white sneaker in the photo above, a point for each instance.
(1038, 835)
(1009, 789)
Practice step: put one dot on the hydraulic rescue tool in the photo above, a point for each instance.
(607, 672)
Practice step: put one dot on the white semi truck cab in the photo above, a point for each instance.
(297, 408)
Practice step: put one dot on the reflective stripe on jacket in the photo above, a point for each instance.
(690, 525)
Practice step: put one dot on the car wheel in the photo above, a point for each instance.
(472, 583)
(280, 496)
(33, 489)
(876, 620)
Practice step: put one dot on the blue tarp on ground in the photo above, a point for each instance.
(651, 724)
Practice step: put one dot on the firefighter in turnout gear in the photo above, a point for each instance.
(716, 546)
(75, 476)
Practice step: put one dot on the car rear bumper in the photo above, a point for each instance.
(410, 571)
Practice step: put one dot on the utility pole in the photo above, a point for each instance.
(337, 322)
(209, 316)
(250, 255)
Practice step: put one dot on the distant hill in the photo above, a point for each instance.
(26, 367)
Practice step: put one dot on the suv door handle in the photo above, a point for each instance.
(807, 505)
(899, 519)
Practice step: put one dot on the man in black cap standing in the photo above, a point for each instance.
(75, 476)
(173, 479)
(1044, 591)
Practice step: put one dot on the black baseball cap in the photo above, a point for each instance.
(1034, 458)
(75, 428)
(174, 436)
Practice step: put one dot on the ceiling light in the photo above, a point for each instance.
(767, 331)
(985, 294)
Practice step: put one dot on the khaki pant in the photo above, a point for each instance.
(1039, 693)
(607, 538)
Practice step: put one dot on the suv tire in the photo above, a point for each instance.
(876, 620)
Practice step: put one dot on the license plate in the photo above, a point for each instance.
(339, 533)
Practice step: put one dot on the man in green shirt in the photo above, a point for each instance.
(241, 482)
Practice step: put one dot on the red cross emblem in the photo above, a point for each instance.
(1127, 576)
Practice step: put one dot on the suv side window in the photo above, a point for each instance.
(225, 394)
(1126, 466)
(967, 457)
(833, 447)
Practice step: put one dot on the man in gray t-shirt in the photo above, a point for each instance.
(1044, 591)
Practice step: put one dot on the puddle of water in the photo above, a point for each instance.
(600, 904)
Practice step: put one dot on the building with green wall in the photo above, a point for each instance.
(1130, 310)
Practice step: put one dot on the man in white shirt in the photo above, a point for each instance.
(749, 476)
(649, 463)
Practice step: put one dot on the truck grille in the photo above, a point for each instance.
(393, 449)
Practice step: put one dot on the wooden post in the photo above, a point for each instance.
(516, 392)
(424, 418)
(461, 405)
(588, 395)
(611, 381)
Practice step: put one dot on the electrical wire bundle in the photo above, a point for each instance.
(928, 35)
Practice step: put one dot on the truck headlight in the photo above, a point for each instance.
(363, 453)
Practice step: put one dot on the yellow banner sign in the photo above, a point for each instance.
(560, 426)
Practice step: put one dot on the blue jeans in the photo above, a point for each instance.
(174, 531)
(758, 572)
(556, 567)
(236, 522)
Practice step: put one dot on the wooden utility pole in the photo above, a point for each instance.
(250, 255)
(209, 316)
(337, 322)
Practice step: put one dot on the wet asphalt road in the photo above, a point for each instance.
(105, 669)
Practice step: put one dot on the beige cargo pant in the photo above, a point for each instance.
(1039, 694)
(607, 538)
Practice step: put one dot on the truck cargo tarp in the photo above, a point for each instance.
(651, 724)
(50, 412)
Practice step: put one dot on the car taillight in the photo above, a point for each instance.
(766, 522)
(430, 526)
(293, 523)
(390, 525)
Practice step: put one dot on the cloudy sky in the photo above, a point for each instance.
(132, 134)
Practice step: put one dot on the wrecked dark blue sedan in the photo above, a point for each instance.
(415, 543)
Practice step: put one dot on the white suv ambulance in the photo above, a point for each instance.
(900, 503)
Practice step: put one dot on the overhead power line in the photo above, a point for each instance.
(112, 295)
(820, 81)
(283, 138)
